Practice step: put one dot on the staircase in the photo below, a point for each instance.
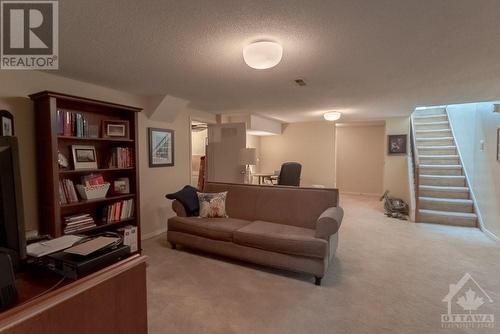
(442, 194)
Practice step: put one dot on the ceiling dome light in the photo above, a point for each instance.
(262, 55)
(332, 116)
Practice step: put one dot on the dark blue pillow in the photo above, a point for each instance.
(189, 199)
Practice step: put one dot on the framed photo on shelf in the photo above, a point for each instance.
(7, 119)
(115, 129)
(121, 186)
(84, 157)
(161, 147)
(397, 144)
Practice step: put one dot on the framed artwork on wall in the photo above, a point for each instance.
(7, 125)
(397, 144)
(161, 147)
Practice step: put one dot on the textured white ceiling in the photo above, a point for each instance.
(368, 58)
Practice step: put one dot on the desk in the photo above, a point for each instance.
(262, 176)
(112, 300)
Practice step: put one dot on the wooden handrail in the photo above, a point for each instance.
(416, 165)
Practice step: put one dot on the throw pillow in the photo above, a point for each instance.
(188, 198)
(212, 205)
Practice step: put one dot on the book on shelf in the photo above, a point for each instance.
(78, 222)
(72, 124)
(67, 192)
(121, 157)
(118, 211)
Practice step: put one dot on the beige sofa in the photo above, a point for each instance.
(283, 227)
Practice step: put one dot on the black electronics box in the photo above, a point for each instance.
(8, 291)
(74, 266)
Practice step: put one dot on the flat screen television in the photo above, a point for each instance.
(12, 234)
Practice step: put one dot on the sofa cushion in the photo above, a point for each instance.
(281, 238)
(213, 205)
(212, 228)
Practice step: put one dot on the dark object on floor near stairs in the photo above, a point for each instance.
(395, 207)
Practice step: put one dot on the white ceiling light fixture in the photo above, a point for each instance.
(332, 116)
(262, 55)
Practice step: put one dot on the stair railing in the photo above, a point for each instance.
(416, 166)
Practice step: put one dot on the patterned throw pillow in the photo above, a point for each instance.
(212, 205)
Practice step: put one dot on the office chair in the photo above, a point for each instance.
(290, 174)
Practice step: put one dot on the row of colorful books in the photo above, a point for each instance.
(77, 223)
(121, 157)
(118, 211)
(67, 192)
(72, 124)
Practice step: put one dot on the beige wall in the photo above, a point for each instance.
(360, 158)
(473, 124)
(396, 166)
(15, 86)
(312, 144)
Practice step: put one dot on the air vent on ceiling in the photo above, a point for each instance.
(300, 82)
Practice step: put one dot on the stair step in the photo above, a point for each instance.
(433, 133)
(429, 118)
(448, 218)
(439, 159)
(440, 169)
(446, 204)
(435, 150)
(430, 111)
(440, 141)
(442, 180)
(433, 125)
(444, 192)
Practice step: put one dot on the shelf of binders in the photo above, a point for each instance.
(127, 140)
(99, 170)
(99, 200)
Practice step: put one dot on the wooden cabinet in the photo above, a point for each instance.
(112, 300)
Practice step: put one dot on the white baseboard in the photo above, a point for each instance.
(489, 234)
(360, 194)
(153, 234)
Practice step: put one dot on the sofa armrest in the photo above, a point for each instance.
(179, 209)
(329, 222)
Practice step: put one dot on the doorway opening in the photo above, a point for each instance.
(199, 141)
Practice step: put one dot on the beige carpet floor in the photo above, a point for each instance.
(389, 276)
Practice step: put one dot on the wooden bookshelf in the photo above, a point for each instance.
(50, 141)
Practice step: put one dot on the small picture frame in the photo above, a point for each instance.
(7, 120)
(397, 144)
(161, 147)
(84, 157)
(115, 129)
(121, 186)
